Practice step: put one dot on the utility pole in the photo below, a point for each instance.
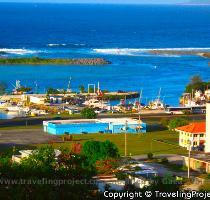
(140, 97)
(126, 124)
(188, 169)
(151, 146)
(125, 144)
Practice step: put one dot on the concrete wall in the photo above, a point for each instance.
(197, 165)
(207, 144)
(131, 128)
(78, 128)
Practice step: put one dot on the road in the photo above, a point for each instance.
(162, 169)
(23, 137)
(173, 158)
(149, 115)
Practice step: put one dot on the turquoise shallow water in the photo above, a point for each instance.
(121, 34)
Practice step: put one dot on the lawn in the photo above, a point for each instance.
(159, 142)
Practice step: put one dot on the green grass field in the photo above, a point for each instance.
(160, 142)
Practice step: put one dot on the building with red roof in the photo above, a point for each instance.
(193, 132)
(199, 134)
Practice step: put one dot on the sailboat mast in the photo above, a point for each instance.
(140, 97)
(69, 85)
(159, 93)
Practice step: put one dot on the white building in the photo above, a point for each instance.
(111, 181)
(198, 94)
(194, 132)
(139, 175)
(26, 153)
(207, 94)
(201, 162)
(56, 99)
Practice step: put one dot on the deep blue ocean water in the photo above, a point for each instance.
(120, 33)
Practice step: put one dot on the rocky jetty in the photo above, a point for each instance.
(53, 61)
(207, 54)
(176, 52)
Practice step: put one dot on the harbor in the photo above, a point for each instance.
(24, 102)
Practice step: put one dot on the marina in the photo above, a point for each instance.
(24, 103)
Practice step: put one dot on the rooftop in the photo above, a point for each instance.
(196, 127)
(105, 120)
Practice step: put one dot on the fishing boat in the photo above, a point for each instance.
(17, 109)
(157, 104)
(13, 108)
(95, 103)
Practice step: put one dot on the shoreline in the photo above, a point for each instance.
(53, 61)
(205, 54)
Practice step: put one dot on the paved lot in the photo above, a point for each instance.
(25, 137)
(172, 158)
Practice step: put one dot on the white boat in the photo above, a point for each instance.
(3, 104)
(96, 103)
(17, 109)
(13, 108)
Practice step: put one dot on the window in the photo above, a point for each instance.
(201, 135)
(195, 135)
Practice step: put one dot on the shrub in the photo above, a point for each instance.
(3, 87)
(205, 187)
(137, 168)
(177, 122)
(187, 112)
(196, 83)
(41, 167)
(150, 156)
(52, 91)
(82, 89)
(164, 160)
(164, 122)
(121, 175)
(88, 113)
(95, 150)
(24, 89)
(107, 166)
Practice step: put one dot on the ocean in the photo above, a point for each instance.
(122, 34)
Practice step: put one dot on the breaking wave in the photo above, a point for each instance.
(56, 45)
(64, 45)
(17, 51)
(143, 51)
